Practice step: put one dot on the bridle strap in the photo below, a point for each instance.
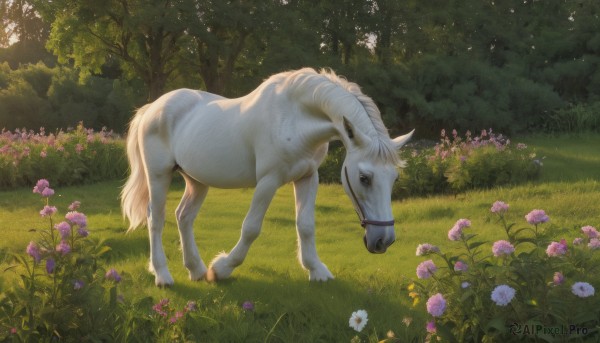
(361, 214)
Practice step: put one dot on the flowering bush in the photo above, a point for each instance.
(457, 163)
(527, 284)
(71, 157)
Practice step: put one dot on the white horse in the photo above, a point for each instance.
(277, 134)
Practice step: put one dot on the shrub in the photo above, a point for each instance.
(529, 285)
(72, 157)
(456, 164)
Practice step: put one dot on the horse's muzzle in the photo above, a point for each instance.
(379, 245)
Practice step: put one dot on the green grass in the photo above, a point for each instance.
(288, 307)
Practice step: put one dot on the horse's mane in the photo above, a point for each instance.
(326, 86)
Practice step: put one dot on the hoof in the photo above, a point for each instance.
(211, 275)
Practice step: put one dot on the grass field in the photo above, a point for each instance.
(287, 307)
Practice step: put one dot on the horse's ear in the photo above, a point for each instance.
(401, 140)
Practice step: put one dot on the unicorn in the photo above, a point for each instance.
(277, 134)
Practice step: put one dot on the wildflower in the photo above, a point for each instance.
(77, 285)
(13, 331)
(34, 251)
(502, 295)
(158, 308)
(499, 207)
(64, 229)
(113, 275)
(426, 249)
(77, 218)
(456, 232)
(582, 289)
(48, 210)
(465, 284)
(47, 192)
(248, 306)
(40, 186)
(594, 244)
(436, 305)
(578, 241)
(391, 334)
(407, 321)
(502, 247)
(63, 248)
(590, 231)
(521, 146)
(50, 264)
(425, 269)
(79, 148)
(74, 205)
(536, 217)
(191, 306)
(83, 232)
(430, 326)
(358, 320)
(460, 266)
(558, 278)
(43, 154)
(557, 248)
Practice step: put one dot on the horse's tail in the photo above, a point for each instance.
(135, 195)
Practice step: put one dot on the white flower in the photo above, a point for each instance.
(582, 289)
(502, 295)
(358, 320)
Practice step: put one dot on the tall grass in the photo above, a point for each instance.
(287, 307)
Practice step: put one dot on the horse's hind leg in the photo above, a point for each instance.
(186, 212)
(159, 186)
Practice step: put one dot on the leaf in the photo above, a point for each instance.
(476, 244)
(445, 333)
(498, 324)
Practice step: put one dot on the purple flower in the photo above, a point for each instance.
(558, 278)
(50, 264)
(594, 244)
(425, 269)
(578, 241)
(77, 218)
(499, 207)
(502, 248)
(502, 295)
(83, 232)
(436, 305)
(426, 249)
(536, 217)
(557, 248)
(78, 284)
(48, 210)
(113, 275)
(63, 248)
(248, 306)
(590, 231)
(430, 326)
(582, 289)
(34, 251)
(64, 229)
(455, 233)
(158, 308)
(47, 192)
(40, 186)
(74, 205)
(460, 266)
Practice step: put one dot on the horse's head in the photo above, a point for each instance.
(368, 181)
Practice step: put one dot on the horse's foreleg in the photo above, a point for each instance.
(222, 266)
(305, 191)
(186, 212)
(159, 187)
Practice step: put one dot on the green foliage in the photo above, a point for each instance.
(457, 164)
(548, 302)
(73, 157)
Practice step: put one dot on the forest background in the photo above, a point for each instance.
(517, 66)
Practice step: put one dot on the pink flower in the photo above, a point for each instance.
(43, 154)
(64, 229)
(63, 248)
(590, 231)
(536, 217)
(436, 305)
(558, 278)
(430, 327)
(460, 266)
(455, 233)
(79, 148)
(426, 249)
(34, 251)
(248, 306)
(40, 186)
(77, 218)
(425, 269)
(74, 205)
(158, 308)
(83, 232)
(47, 192)
(499, 207)
(578, 241)
(594, 244)
(113, 275)
(557, 248)
(502, 248)
(48, 211)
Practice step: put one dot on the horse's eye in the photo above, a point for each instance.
(364, 179)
